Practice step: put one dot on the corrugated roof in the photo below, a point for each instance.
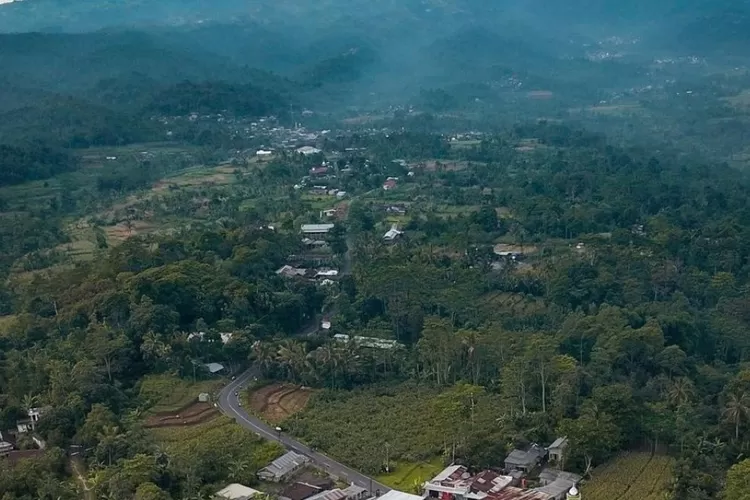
(300, 491)
(511, 493)
(336, 494)
(317, 228)
(285, 464)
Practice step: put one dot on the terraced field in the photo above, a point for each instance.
(631, 475)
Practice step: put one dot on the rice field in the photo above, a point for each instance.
(631, 475)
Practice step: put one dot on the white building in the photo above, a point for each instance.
(308, 150)
(317, 229)
(237, 491)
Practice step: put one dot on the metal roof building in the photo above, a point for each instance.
(283, 466)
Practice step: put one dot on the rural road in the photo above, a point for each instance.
(229, 404)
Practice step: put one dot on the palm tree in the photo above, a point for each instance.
(29, 402)
(680, 391)
(264, 356)
(737, 409)
(293, 357)
(108, 439)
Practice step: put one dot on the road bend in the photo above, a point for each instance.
(230, 405)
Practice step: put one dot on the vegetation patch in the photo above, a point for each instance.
(410, 477)
(167, 393)
(631, 475)
(408, 423)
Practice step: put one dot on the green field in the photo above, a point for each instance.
(409, 477)
(630, 476)
(168, 393)
(354, 425)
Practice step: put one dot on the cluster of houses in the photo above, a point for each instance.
(456, 483)
(12, 447)
(529, 474)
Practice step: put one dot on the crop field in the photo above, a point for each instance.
(277, 402)
(193, 414)
(165, 393)
(410, 477)
(631, 475)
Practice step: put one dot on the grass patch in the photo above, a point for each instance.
(163, 393)
(409, 477)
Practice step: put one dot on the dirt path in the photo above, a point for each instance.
(77, 466)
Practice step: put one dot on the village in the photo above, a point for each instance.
(530, 474)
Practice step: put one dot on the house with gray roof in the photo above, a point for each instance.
(283, 467)
(525, 460)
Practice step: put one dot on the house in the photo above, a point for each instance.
(525, 460)
(325, 324)
(455, 482)
(556, 450)
(291, 272)
(321, 170)
(204, 397)
(263, 153)
(354, 492)
(326, 273)
(26, 425)
(225, 337)
(557, 483)
(371, 342)
(396, 210)
(283, 467)
(331, 212)
(399, 495)
(341, 195)
(308, 150)
(513, 493)
(316, 229)
(214, 367)
(389, 184)
(299, 491)
(392, 235)
(237, 491)
(336, 494)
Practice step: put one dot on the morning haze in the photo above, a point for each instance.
(374, 250)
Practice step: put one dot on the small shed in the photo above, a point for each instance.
(204, 397)
(557, 449)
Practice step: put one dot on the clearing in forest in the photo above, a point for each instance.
(631, 475)
(192, 414)
(277, 402)
(165, 394)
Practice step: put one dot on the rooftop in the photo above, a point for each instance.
(237, 492)
(528, 457)
(399, 495)
(317, 228)
(285, 464)
(300, 491)
(511, 493)
(336, 494)
(559, 442)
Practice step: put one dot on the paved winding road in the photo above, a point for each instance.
(230, 405)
